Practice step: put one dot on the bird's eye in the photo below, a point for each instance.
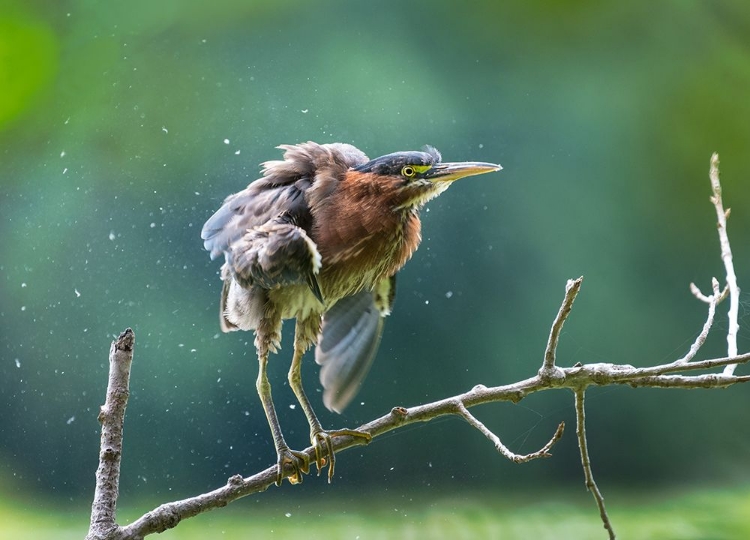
(408, 172)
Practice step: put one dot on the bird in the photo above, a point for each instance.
(319, 238)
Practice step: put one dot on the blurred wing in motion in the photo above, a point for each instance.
(348, 341)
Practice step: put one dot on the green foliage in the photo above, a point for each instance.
(28, 62)
(718, 515)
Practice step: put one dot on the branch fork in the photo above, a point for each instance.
(543, 452)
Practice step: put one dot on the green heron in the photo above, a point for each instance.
(319, 238)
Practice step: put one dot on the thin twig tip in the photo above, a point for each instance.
(573, 283)
(125, 340)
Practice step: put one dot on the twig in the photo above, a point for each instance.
(603, 373)
(112, 417)
(726, 256)
(571, 291)
(707, 299)
(544, 452)
(709, 380)
(586, 462)
(713, 300)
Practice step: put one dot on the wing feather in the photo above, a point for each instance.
(348, 341)
(275, 254)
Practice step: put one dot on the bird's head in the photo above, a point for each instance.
(418, 177)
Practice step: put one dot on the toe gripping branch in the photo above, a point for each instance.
(293, 464)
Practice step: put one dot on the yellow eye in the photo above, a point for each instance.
(408, 171)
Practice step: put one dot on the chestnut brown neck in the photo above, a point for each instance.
(368, 234)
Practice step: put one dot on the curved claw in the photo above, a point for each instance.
(323, 444)
(298, 460)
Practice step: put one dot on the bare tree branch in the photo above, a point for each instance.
(112, 418)
(169, 515)
(586, 461)
(726, 256)
(710, 380)
(713, 300)
(500, 447)
(707, 299)
(571, 291)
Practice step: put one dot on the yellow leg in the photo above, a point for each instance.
(299, 461)
(320, 438)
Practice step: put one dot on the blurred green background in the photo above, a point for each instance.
(124, 125)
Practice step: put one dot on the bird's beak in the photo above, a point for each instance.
(450, 172)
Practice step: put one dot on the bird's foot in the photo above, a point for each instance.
(323, 444)
(298, 460)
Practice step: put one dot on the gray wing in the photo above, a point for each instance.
(348, 341)
(251, 207)
(274, 254)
